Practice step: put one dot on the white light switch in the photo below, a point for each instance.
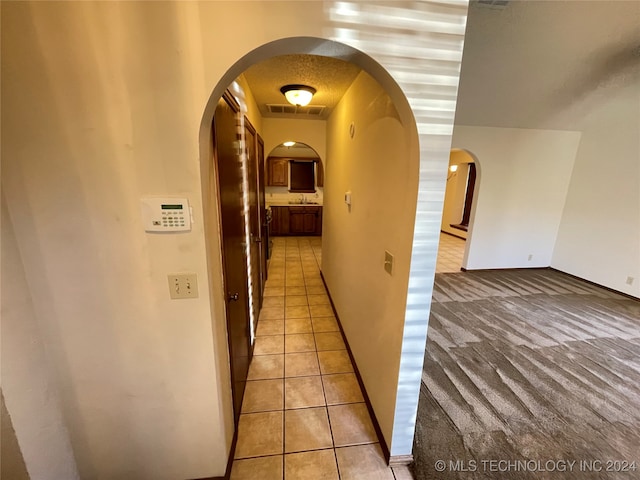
(183, 285)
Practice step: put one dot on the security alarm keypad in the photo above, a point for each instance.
(166, 214)
(172, 216)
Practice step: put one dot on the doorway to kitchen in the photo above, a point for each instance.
(294, 190)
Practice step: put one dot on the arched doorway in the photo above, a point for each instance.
(418, 257)
(460, 199)
(394, 109)
(295, 176)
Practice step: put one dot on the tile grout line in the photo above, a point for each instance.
(326, 405)
(324, 394)
(320, 374)
(333, 441)
(284, 380)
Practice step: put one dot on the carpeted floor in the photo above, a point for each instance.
(527, 371)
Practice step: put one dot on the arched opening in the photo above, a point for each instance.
(294, 177)
(387, 108)
(463, 181)
(295, 174)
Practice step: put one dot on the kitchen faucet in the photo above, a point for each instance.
(302, 199)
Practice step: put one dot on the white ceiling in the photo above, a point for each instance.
(543, 64)
(531, 64)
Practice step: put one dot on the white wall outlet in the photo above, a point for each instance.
(630, 280)
(388, 262)
(183, 285)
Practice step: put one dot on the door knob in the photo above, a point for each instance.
(233, 297)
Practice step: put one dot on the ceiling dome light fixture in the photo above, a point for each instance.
(289, 144)
(299, 95)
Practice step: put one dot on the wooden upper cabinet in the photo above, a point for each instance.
(277, 172)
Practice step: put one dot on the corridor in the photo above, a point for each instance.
(303, 415)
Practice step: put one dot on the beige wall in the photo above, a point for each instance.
(102, 103)
(249, 103)
(521, 188)
(29, 385)
(379, 167)
(599, 236)
(310, 132)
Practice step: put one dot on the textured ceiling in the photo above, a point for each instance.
(330, 77)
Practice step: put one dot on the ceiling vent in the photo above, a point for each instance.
(309, 110)
(493, 4)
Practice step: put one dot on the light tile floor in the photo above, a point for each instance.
(450, 253)
(303, 416)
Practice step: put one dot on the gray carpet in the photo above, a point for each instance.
(527, 371)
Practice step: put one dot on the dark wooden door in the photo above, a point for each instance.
(230, 184)
(254, 216)
(262, 210)
(468, 200)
